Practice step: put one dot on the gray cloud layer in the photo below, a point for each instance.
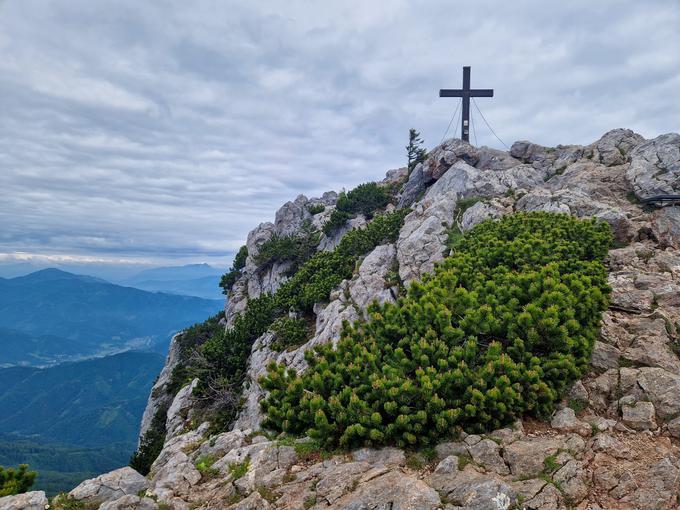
(163, 131)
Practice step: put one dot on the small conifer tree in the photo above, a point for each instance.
(415, 152)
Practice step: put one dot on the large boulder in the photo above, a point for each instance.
(179, 410)
(577, 204)
(158, 397)
(34, 500)
(655, 167)
(615, 146)
(110, 486)
(291, 216)
(393, 490)
(666, 226)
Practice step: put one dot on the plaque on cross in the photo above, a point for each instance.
(466, 93)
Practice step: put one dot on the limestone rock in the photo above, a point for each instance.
(158, 396)
(666, 225)
(578, 204)
(383, 456)
(130, 502)
(415, 186)
(173, 473)
(615, 146)
(605, 356)
(566, 420)
(252, 502)
(481, 211)
(34, 500)
(394, 490)
(291, 216)
(655, 167)
(526, 457)
(369, 284)
(473, 490)
(487, 453)
(447, 466)
(329, 243)
(422, 239)
(573, 481)
(396, 176)
(110, 486)
(179, 409)
(639, 416)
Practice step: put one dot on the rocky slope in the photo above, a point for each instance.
(612, 444)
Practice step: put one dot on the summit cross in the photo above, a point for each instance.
(466, 93)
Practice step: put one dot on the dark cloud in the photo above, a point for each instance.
(164, 131)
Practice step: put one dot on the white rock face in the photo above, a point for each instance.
(367, 286)
(35, 500)
(158, 397)
(110, 486)
(179, 409)
(655, 167)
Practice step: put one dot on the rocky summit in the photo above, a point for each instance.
(612, 440)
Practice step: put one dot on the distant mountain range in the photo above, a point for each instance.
(201, 280)
(52, 315)
(74, 420)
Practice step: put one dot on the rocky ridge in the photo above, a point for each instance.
(612, 444)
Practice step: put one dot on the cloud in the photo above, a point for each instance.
(164, 131)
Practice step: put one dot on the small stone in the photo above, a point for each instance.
(447, 466)
(640, 416)
(34, 500)
(487, 453)
(382, 456)
(565, 419)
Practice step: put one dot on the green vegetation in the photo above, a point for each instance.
(151, 444)
(64, 502)
(293, 249)
(189, 341)
(501, 329)
(365, 199)
(204, 466)
(316, 208)
(218, 357)
(290, 332)
(238, 469)
(229, 278)
(415, 152)
(16, 481)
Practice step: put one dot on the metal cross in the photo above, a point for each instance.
(466, 93)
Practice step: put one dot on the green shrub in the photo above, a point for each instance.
(365, 199)
(229, 278)
(16, 481)
(151, 444)
(501, 329)
(204, 466)
(239, 469)
(415, 152)
(294, 249)
(316, 208)
(290, 332)
(225, 354)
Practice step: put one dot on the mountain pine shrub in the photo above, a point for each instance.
(229, 278)
(365, 199)
(221, 361)
(500, 329)
(295, 249)
(16, 481)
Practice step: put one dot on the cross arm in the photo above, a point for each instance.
(463, 93)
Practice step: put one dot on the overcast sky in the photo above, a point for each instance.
(163, 131)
